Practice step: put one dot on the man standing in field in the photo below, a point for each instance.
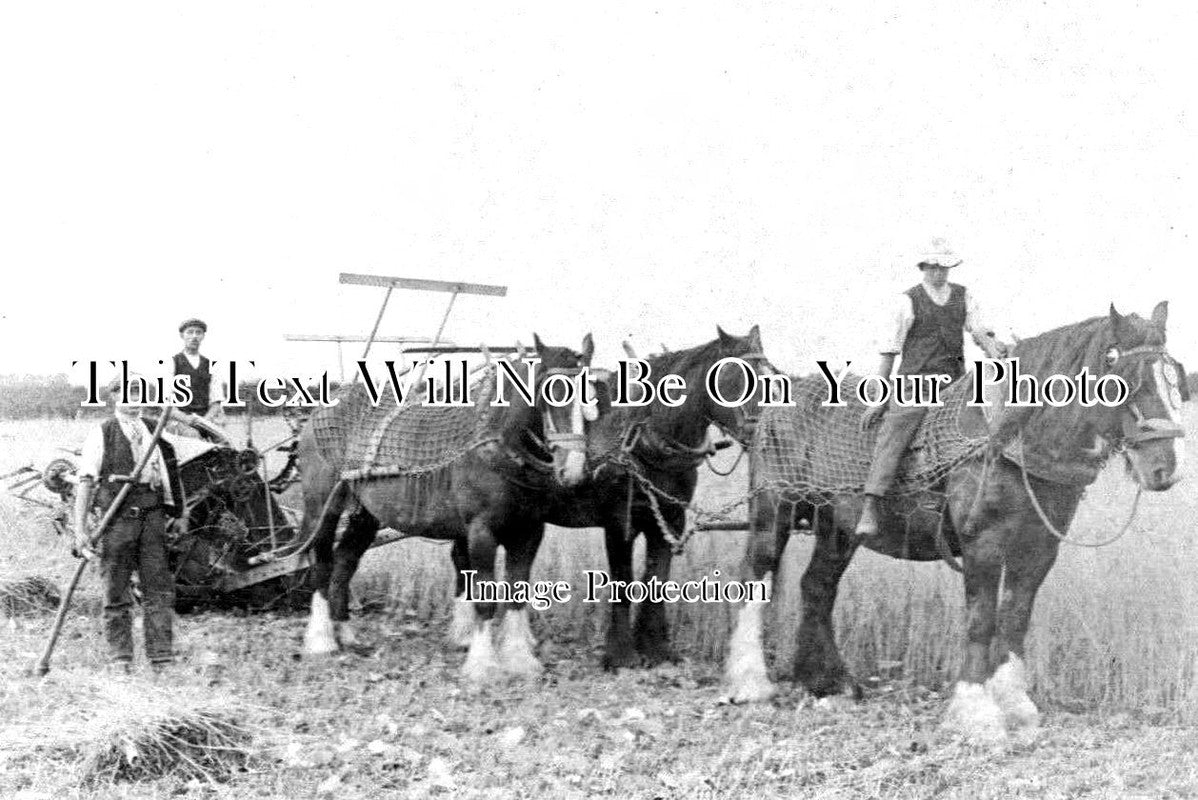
(205, 392)
(927, 332)
(136, 538)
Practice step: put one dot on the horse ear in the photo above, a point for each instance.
(536, 342)
(588, 348)
(1160, 314)
(1116, 324)
(724, 337)
(754, 337)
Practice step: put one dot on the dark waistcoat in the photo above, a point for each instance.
(118, 460)
(201, 383)
(935, 344)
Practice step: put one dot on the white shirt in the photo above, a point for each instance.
(92, 457)
(903, 315)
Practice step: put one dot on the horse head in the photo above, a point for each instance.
(723, 380)
(734, 392)
(1147, 427)
(558, 431)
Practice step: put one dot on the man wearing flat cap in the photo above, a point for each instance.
(205, 391)
(135, 541)
(927, 331)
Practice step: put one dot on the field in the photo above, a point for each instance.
(1112, 659)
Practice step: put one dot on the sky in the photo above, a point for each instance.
(639, 171)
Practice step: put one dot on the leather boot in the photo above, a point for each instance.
(869, 522)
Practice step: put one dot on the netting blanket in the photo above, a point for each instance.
(815, 453)
(363, 440)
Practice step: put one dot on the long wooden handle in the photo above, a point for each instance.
(43, 664)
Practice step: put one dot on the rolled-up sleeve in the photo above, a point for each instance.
(975, 320)
(92, 455)
(894, 334)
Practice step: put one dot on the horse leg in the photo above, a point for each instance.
(481, 665)
(355, 541)
(461, 626)
(618, 650)
(320, 638)
(972, 711)
(652, 631)
(517, 643)
(818, 665)
(1030, 554)
(745, 672)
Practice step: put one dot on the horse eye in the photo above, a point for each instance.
(1112, 355)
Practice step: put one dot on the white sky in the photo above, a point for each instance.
(632, 170)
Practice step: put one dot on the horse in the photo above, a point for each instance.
(645, 463)
(1005, 523)
(493, 491)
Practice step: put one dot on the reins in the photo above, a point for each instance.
(1027, 485)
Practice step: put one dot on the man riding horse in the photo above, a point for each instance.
(929, 321)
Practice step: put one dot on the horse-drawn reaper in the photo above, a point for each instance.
(232, 516)
(1004, 514)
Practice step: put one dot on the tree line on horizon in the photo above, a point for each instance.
(55, 397)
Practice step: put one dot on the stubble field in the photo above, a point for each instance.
(1111, 659)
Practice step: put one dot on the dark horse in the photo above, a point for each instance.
(645, 462)
(495, 493)
(998, 519)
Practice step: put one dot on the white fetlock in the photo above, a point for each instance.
(837, 703)
(973, 715)
(745, 672)
(1008, 688)
(320, 638)
(517, 649)
(482, 666)
(461, 625)
(346, 634)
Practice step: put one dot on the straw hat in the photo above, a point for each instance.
(938, 254)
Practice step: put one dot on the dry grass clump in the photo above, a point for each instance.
(102, 729)
(33, 594)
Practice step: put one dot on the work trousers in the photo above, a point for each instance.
(899, 426)
(137, 543)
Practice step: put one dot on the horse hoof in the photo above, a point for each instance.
(653, 656)
(1008, 688)
(753, 691)
(836, 703)
(523, 669)
(975, 717)
(621, 660)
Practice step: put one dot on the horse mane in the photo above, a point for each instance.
(1058, 431)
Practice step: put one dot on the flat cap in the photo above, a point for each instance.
(193, 322)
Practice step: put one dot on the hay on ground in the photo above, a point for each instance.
(33, 594)
(107, 729)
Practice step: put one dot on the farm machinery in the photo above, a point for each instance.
(237, 541)
(233, 515)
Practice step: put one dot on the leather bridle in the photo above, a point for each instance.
(1136, 428)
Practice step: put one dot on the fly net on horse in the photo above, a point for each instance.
(814, 453)
(414, 443)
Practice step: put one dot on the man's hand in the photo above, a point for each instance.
(81, 546)
(872, 416)
(996, 348)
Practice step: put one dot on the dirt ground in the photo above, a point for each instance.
(395, 721)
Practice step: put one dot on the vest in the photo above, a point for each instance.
(118, 460)
(201, 383)
(935, 343)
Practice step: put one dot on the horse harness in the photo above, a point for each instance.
(641, 446)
